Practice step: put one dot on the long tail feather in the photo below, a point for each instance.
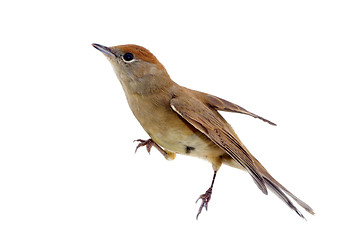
(281, 192)
(282, 196)
(299, 201)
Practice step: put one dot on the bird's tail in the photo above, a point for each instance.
(281, 192)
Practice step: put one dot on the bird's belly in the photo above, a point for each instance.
(199, 145)
(182, 139)
(172, 132)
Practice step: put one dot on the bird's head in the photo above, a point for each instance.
(136, 67)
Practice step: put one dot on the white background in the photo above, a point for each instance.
(67, 163)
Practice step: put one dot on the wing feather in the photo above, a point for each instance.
(210, 123)
(224, 105)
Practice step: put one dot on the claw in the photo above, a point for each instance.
(206, 197)
(148, 143)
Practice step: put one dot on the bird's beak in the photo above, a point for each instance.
(107, 51)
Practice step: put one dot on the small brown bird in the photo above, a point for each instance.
(184, 121)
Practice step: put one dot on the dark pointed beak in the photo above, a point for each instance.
(107, 51)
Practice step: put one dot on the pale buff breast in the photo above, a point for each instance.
(174, 134)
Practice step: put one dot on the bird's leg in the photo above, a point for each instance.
(150, 143)
(206, 196)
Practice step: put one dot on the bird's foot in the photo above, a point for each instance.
(206, 197)
(150, 143)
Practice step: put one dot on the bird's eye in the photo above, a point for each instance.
(128, 57)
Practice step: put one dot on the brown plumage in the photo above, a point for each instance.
(139, 52)
(183, 121)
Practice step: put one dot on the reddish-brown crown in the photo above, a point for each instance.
(139, 53)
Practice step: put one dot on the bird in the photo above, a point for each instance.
(183, 121)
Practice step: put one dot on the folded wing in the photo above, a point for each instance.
(210, 123)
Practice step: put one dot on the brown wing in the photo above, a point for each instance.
(223, 105)
(210, 123)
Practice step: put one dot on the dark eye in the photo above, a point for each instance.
(128, 57)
